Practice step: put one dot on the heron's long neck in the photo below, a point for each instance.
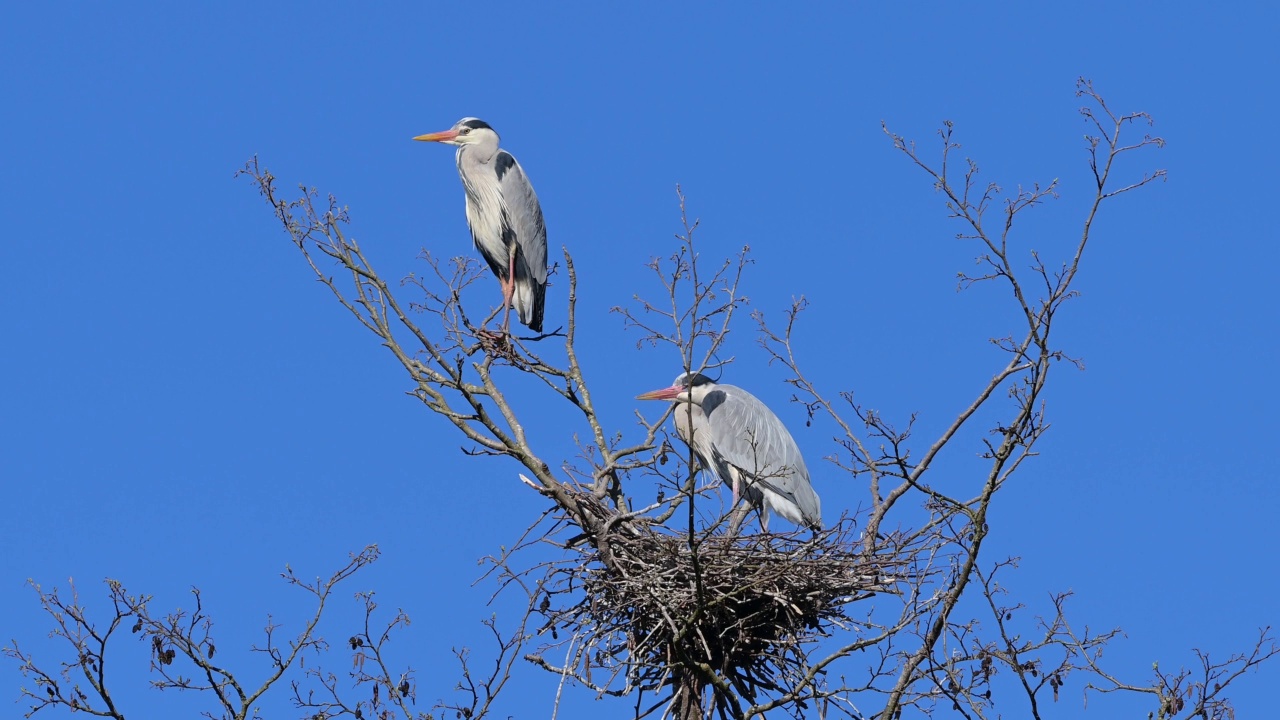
(474, 155)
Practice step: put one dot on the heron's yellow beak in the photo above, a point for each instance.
(668, 393)
(443, 136)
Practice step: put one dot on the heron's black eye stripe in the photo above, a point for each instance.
(694, 379)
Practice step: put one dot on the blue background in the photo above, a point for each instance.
(183, 405)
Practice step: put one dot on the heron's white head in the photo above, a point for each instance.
(467, 131)
(687, 387)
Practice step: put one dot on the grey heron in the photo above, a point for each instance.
(738, 438)
(504, 216)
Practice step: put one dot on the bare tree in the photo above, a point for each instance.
(655, 601)
(80, 684)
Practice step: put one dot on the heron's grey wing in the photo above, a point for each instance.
(747, 435)
(522, 224)
(523, 215)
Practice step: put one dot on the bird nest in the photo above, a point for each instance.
(741, 608)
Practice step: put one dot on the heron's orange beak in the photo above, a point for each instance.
(443, 136)
(668, 393)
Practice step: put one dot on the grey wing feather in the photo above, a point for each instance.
(522, 217)
(525, 215)
(747, 435)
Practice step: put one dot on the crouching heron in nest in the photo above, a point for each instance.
(504, 216)
(738, 438)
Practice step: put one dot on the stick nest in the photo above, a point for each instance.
(738, 606)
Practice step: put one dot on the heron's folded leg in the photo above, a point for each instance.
(508, 290)
(736, 517)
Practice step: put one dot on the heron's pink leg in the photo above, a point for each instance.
(508, 291)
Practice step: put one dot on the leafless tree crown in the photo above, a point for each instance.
(652, 599)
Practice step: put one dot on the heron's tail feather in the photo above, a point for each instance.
(529, 298)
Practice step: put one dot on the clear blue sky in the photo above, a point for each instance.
(184, 405)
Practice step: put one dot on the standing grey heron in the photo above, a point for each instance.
(504, 216)
(738, 438)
